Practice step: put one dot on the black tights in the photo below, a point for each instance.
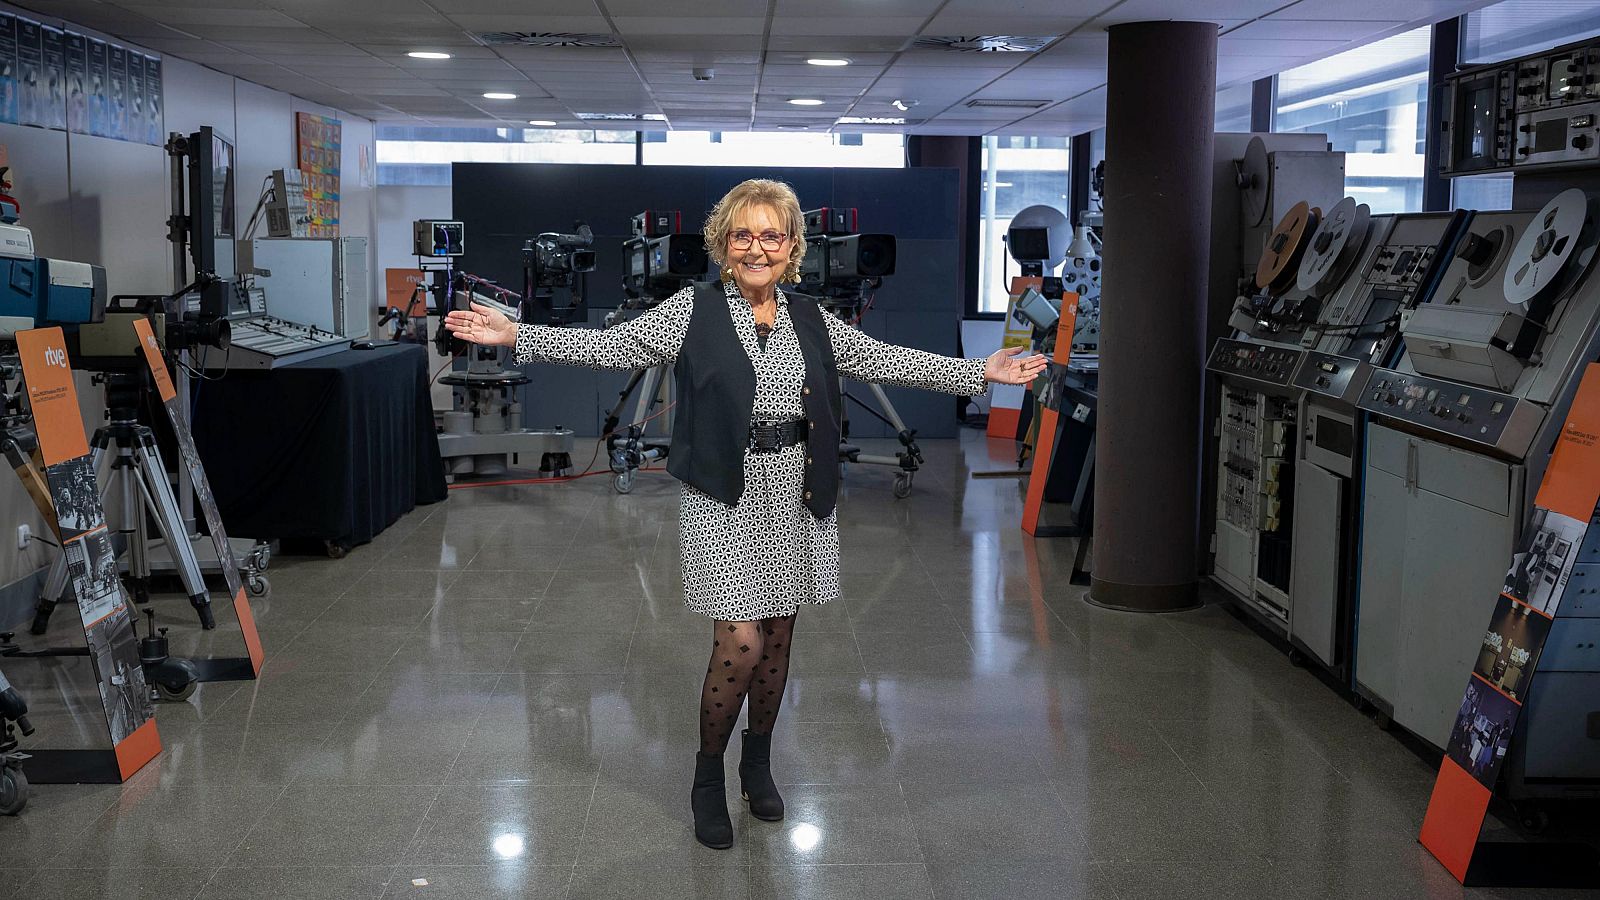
(747, 659)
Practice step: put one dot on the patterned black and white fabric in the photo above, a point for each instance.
(764, 555)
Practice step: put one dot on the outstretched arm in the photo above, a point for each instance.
(868, 359)
(652, 339)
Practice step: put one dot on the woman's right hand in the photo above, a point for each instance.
(481, 325)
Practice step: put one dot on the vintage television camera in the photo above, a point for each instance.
(660, 259)
(37, 292)
(551, 262)
(840, 261)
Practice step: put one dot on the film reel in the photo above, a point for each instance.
(1540, 256)
(1334, 247)
(1255, 181)
(1280, 259)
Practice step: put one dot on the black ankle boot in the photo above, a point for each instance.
(709, 800)
(755, 777)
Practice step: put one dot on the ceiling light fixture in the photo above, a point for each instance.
(805, 101)
(904, 105)
(870, 120)
(543, 123)
(828, 61)
(427, 54)
(499, 95)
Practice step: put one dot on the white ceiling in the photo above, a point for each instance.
(351, 54)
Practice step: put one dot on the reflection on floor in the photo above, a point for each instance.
(497, 699)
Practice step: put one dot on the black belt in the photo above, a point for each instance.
(767, 437)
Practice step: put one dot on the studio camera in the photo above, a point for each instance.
(840, 261)
(556, 262)
(661, 259)
(36, 292)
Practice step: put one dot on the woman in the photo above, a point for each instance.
(755, 443)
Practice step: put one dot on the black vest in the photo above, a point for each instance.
(717, 393)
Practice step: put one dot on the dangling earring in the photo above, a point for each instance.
(791, 272)
(727, 274)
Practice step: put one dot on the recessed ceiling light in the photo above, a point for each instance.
(544, 123)
(499, 95)
(805, 101)
(828, 61)
(427, 54)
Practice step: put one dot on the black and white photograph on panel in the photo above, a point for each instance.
(76, 493)
(1539, 570)
(1482, 730)
(1511, 647)
(123, 691)
(92, 566)
(208, 502)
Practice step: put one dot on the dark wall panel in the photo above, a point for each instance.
(505, 204)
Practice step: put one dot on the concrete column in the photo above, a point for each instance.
(1160, 103)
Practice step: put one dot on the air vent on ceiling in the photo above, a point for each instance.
(549, 39)
(1008, 104)
(986, 43)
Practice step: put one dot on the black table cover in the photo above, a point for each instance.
(333, 450)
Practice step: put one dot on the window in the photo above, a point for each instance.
(1481, 192)
(423, 154)
(1511, 28)
(1233, 107)
(776, 149)
(1372, 104)
(1018, 172)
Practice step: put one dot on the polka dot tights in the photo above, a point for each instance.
(749, 660)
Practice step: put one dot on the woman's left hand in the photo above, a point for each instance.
(1007, 367)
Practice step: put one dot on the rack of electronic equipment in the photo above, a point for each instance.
(1392, 388)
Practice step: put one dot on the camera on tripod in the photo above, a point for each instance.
(551, 262)
(840, 261)
(661, 259)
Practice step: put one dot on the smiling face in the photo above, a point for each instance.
(757, 268)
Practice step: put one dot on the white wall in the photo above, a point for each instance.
(106, 202)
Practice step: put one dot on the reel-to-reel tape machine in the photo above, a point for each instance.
(1462, 426)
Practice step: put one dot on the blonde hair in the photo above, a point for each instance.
(757, 192)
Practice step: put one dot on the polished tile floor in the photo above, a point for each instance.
(497, 699)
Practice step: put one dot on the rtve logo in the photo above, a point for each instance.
(55, 356)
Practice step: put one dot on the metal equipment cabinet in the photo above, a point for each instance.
(1438, 525)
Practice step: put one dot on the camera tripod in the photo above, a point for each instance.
(126, 460)
(847, 302)
(634, 449)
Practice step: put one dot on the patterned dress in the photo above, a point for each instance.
(764, 555)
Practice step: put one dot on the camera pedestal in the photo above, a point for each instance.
(483, 435)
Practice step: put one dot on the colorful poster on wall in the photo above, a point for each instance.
(8, 68)
(99, 92)
(317, 141)
(138, 128)
(30, 69)
(117, 80)
(1528, 607)
(152, 101)
(55, 78)
(85, 542)
(77, 83)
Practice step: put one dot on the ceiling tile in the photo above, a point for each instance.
(647, 25)
(567, 24)
(845, 25)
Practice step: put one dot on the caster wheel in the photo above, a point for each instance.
(141, 596)
(170, 695)
(1535, 820)
(902, 486)
(623, 482)
(1297, 659)
(336, 550)
(258, 585)
(13, 791)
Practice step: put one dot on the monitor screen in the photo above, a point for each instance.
(1029, 243)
